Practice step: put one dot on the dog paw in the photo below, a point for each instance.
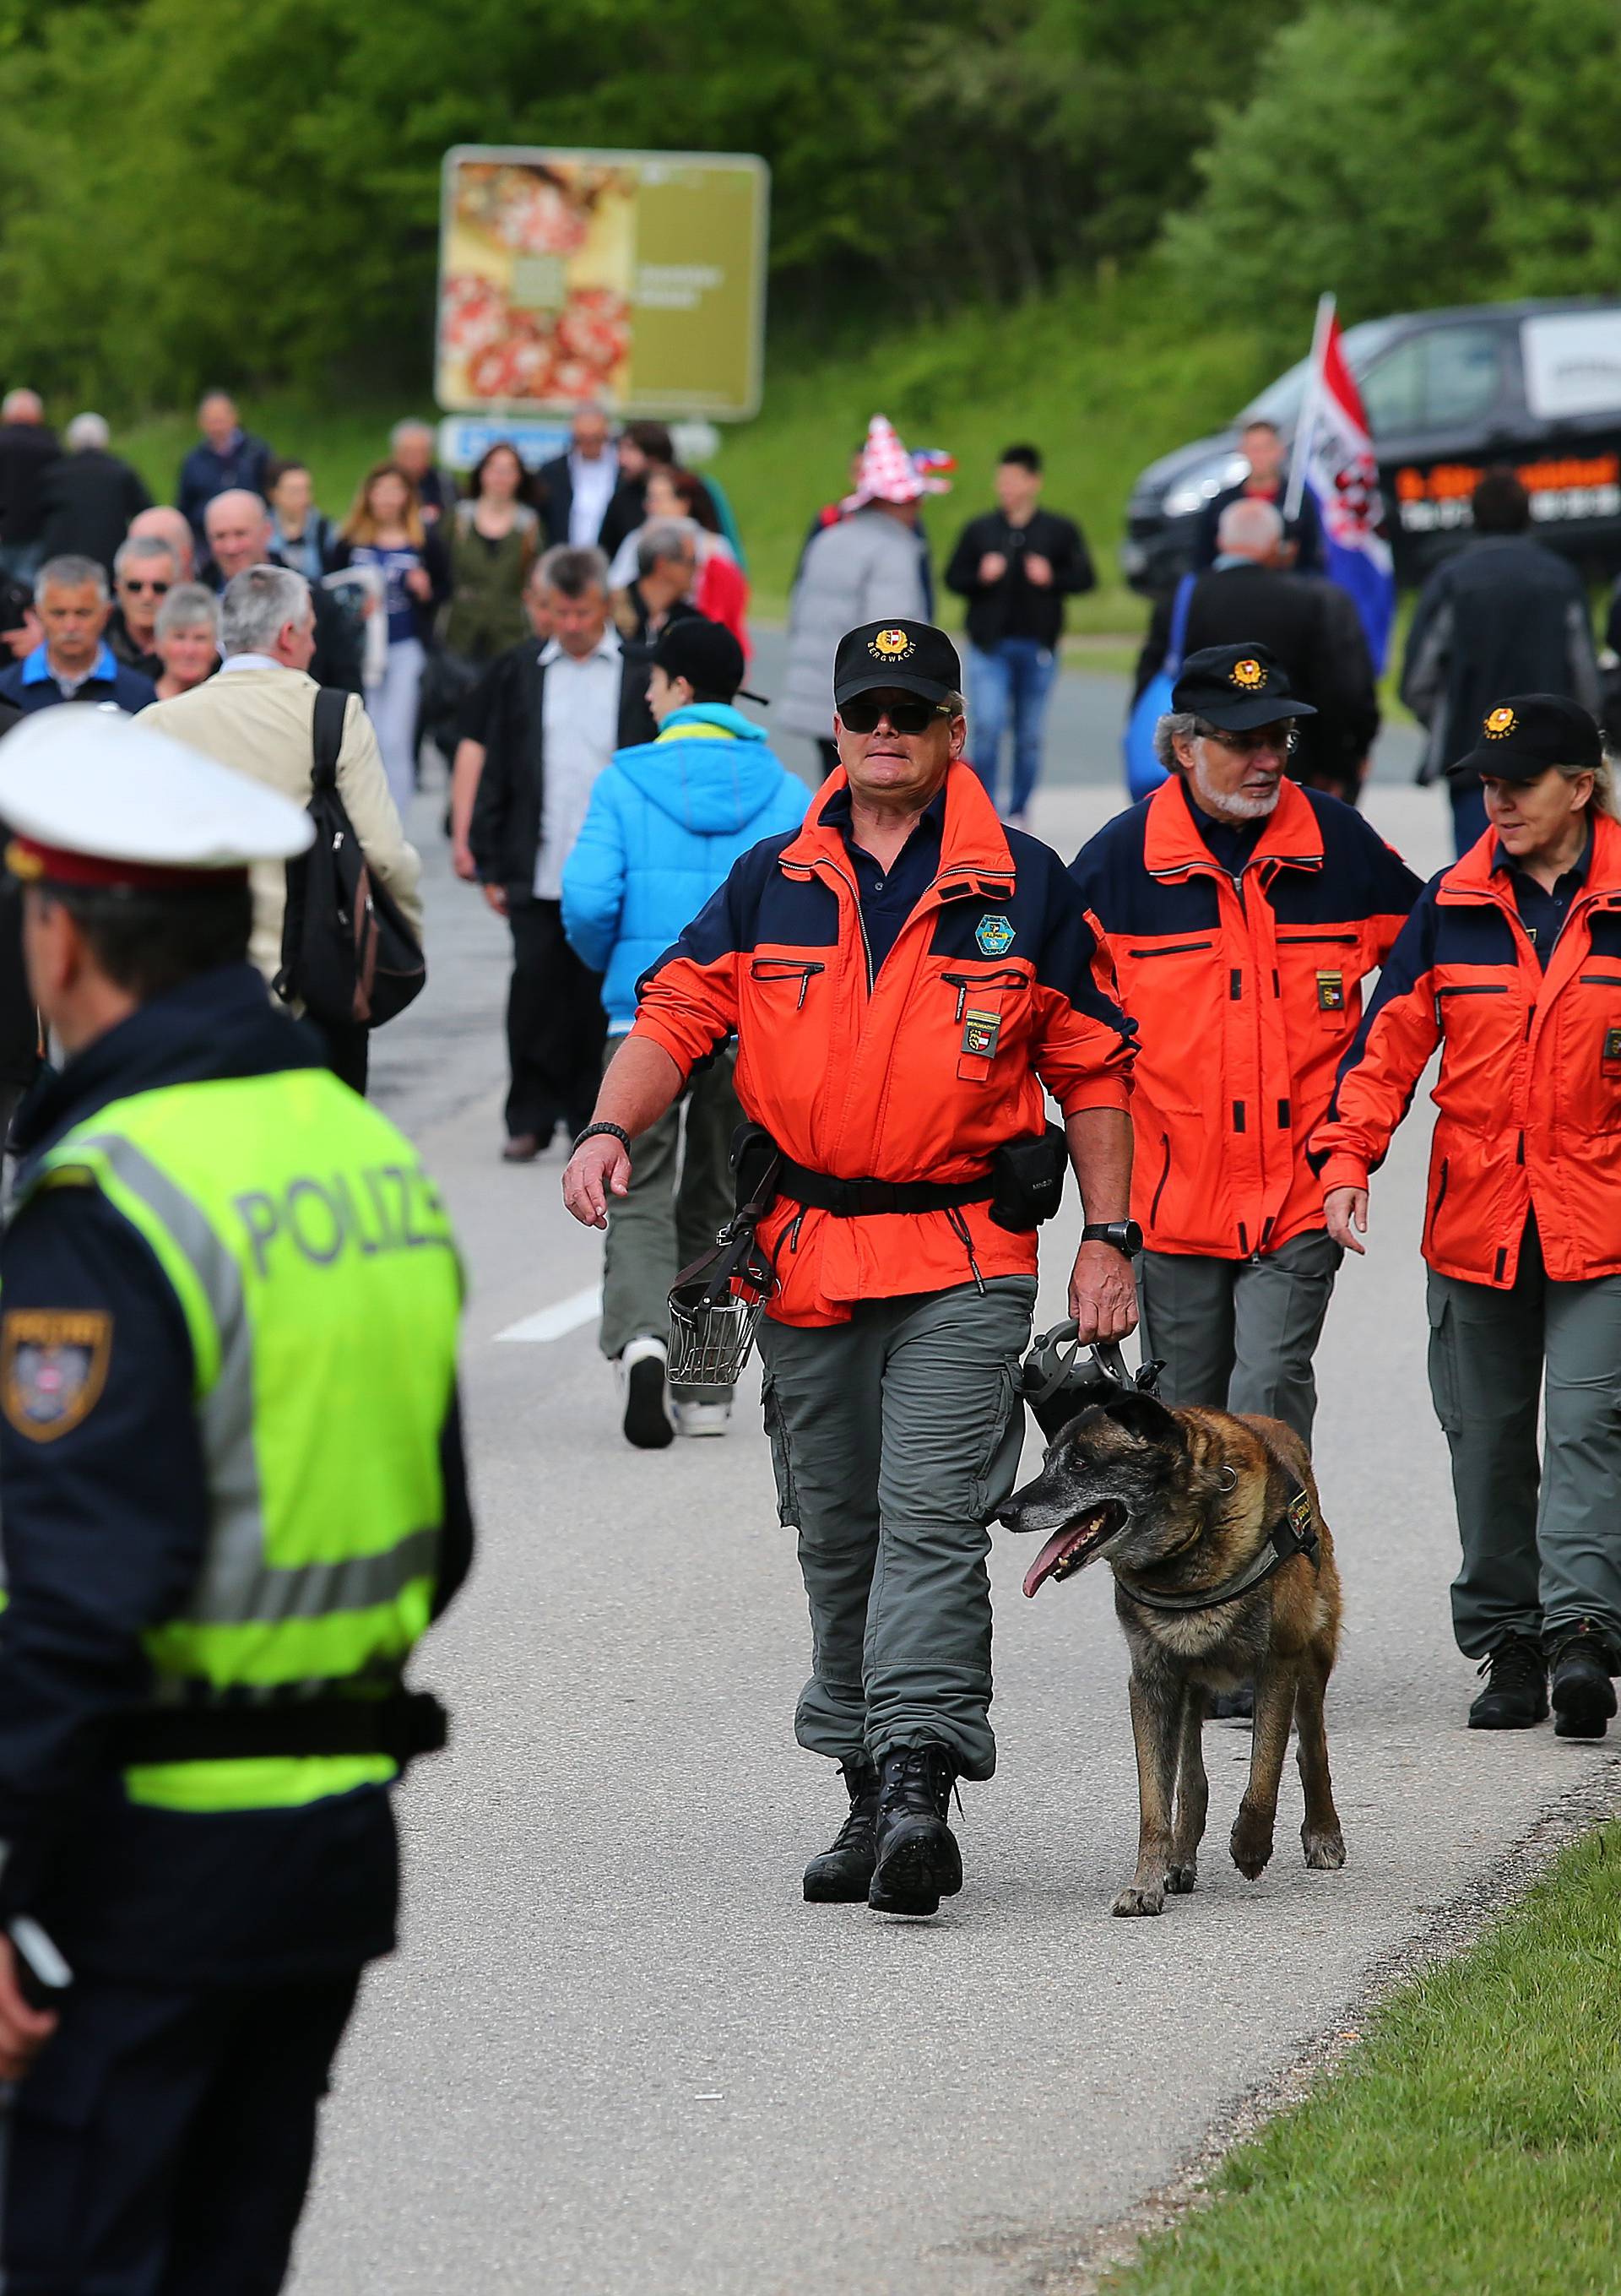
(1133, 1900)
(1251, 1849)
(1180, 1879)
(1325, 1853)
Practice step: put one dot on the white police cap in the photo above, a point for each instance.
(92, 797)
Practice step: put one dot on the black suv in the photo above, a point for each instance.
(1448, 393)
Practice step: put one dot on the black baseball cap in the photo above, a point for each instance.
(1521, 737)
(908, 657)
(1235, 687)
(706, 654)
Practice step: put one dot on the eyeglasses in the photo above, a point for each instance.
(861, 713)
(1252, 745)
(144, 589)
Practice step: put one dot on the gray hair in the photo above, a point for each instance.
(665, 537)
(189, 605)
(1249, 527)
(412, 427)
(139, 549)
(1176, 725)
(257, 606)
(86, 433)
(70, 572)
(1604, 798)
(572, 573)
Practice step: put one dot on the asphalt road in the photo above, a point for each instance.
(618, 2055)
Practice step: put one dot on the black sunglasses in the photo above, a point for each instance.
(156, 589)
(861, 712)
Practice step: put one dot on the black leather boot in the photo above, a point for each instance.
(1583, 1695)
(917, 1859)
(840, 1875)
(1515, 1694)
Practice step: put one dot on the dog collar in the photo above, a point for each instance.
(1295, 1532)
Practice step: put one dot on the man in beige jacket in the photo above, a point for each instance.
(257, 715)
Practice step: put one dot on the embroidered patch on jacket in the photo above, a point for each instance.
(994, 936)
(53, 1367)
(1612, 1043)
(980, 1032)
(1330, 992)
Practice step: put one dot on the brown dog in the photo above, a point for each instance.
(1186, 1506)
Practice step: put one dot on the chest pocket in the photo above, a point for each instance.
(785, 981)
(1324, 972)
(989, 1009)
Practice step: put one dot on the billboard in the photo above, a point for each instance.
(635, 278)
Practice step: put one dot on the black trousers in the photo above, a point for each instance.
(163, 2142)
(555, 1025)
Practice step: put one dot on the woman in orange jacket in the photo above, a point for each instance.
(1512, 964)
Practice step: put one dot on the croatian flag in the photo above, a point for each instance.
(1334, 456)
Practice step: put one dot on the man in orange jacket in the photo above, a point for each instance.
(1243, 912)
(904, 977)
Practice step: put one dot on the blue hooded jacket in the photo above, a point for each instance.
(666, 821)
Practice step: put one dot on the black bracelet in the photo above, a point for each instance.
(617, 1130)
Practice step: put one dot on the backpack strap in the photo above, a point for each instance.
(332, 712)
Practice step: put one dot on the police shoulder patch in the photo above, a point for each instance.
(53, 1367)
(994, 936)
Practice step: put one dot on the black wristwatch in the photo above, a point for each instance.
(1120, 1235)
(617, 1131)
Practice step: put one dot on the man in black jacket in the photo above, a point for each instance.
(1502, 616)
(1310, 624)
(574, 491)
(90, 496)
(550, 718)
(1261, 444)
(1016, 565)
(27, 449)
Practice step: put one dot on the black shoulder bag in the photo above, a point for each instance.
(347, 954)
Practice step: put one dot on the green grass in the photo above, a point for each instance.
(1102, 377)
(1471, 2144)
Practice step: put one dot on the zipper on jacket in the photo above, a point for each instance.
(1177, 949)
(1435, 1210)
(963, 981)
(1165, 1174)
(1299, 940)
(786, 968)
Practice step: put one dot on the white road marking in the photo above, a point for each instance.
(554, 1323)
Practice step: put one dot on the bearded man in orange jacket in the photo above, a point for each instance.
(907, 979)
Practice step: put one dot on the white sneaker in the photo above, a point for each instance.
(700, 1418)
(639, 1370)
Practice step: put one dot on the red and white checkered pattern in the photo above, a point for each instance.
(888, 472)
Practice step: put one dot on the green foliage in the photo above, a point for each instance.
(1413, 157)
(1472, 2141)
(252, 193)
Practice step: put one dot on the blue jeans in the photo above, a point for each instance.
(1014, 678)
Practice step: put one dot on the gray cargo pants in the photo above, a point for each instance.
(1239, 1334)
(1537, 1561)
(894, 1436)
(679, 1193)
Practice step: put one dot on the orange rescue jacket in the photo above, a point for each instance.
(1247, 996)
(997, 986)
(1529, 1092)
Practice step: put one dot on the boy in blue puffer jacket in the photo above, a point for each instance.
(667, 820)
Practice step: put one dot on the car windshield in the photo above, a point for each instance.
(1280, 402)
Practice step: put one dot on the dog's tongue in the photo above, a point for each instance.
(1052, 1553)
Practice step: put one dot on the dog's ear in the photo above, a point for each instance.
(1142, 1415)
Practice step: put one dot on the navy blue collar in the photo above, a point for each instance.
(1571, 880)
(839, 811)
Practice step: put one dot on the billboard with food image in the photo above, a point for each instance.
(634, 278)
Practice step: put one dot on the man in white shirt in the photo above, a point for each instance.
(257, 715)
(576, 489)
(552, 718)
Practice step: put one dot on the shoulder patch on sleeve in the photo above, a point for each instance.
(53, 1367)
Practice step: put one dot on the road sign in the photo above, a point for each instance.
(635, 279)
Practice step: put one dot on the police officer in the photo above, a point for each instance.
(233, 1497)
(903, 975)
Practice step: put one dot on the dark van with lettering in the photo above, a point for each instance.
(1448, 394)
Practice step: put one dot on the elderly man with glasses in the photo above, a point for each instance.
(143, 572)
(1244, 913)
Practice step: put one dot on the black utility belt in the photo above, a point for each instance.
(1023, 1186)
(868, 1199)
(401, 1725)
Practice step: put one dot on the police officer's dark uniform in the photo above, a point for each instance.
(232, 1494)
